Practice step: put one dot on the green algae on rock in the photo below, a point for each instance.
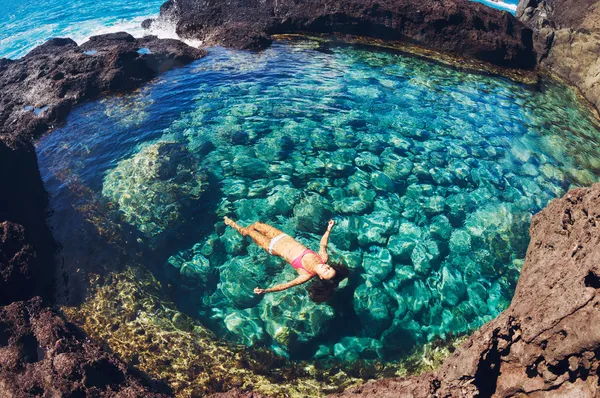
(153, 187)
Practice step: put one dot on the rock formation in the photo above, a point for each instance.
(42, 355)
(567, 40)
(547, 341)
(458, 26)
(39, 352)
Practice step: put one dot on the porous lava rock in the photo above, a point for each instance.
(547, 342)
(567, 40)
(458, 26)
(42, 355)
(39, 90)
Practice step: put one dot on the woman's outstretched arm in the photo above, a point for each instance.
(283, 286)
(324, 240)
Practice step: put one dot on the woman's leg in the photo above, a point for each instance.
(258, 238)
(266, 229)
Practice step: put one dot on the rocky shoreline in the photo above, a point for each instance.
(547, 342)
(456, 26)
(39, 352)
(544, 343)
(567, 41)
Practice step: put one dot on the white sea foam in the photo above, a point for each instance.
(500, 4)
(161, 29)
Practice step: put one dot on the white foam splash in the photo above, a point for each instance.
(500, 4)
(161, 29)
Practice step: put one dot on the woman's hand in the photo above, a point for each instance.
(330, 225)
(258, 290)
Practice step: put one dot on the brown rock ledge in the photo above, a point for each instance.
(458, 26)
(567, 40)
(547, 342)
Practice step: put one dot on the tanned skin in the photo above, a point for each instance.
(288, 248)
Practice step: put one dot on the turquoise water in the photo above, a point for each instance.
(432, 176)
(26, 24)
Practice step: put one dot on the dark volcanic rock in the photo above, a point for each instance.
(458, 26)
(567, 39)
(42, 355)
(26, 243)
(547, 343)
(39, 89)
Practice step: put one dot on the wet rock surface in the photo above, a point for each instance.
(457, 26)
(567, 40)
(547, 342)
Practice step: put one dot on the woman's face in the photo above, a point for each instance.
(325, 271)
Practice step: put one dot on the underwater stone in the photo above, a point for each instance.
(235, 189)
(153, 188)
(404, 334)
(378, 263)
(246, 326)
(460, 242)
(233, 242)
(323, 141)
(375, 229)
(239, 277)
(374, 308)
(417, 296)
(382, 182)
(312, 214)
(478, 298)
(424, 256)
(402, 245)
(351, 205)
(353, 260)
(452, 288)
(292, 319)
(460, 170)
(440, 228)
(458, 206)
(281, 200)
(368, 160)
(405, 273)
(441, 176)
(453, 321)
(353, 348)
(249, 167)
(434, 205)
(343, 235)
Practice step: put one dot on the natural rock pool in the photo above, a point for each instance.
(431, 173)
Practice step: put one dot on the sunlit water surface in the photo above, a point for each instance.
(432, 176)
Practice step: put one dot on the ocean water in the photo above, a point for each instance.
(26, 24)
(432, 175)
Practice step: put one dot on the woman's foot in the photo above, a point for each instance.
(236, 226)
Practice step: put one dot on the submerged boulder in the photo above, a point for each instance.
(292, 319)
(153, 188)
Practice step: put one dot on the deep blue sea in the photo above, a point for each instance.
(26, 24)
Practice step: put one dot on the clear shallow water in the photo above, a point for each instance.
(432, 175)
(25, 24)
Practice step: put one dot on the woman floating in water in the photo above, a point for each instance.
(307, 263)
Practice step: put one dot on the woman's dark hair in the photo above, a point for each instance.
(322, 290)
